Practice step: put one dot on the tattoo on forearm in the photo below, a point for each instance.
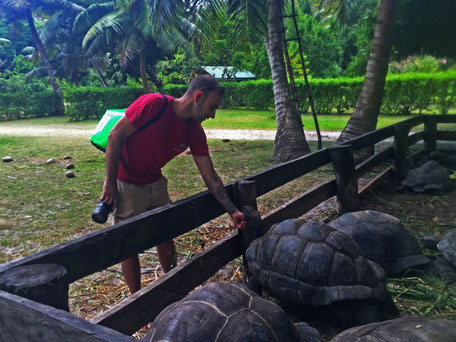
(215, 186)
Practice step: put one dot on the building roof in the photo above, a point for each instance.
(227, 72)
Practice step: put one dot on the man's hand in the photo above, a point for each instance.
(109, 195)
(238, 219)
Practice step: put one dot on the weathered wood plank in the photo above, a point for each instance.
(43, 283)
(143, 306)
(370, 138)
(446, 135)
(413, 122)
(415, 137)
(430, 134)
(401, 164)
(300, 204)
(86, 255)
(381, 179)
(441, 118)
(375, 160)
(347, 184)
(24, 320)
(279, 175)
(89, 254)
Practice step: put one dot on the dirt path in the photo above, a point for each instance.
(235, 134)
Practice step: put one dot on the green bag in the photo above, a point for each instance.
(99, 138)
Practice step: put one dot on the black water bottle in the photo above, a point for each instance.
(101, 212)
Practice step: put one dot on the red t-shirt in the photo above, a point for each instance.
(145, 152)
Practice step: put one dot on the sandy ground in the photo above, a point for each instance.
(235, 134)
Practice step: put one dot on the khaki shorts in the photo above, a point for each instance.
(134, 199)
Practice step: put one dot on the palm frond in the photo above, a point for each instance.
(250, 18)
(129, 46)
(16, 5)
(61, 4)
(36, 73)
(114, 21)
(91, 15)
(163, 12)
(209, 17)
(50, 28)
(4, 42)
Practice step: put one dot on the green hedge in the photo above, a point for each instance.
(21, 105)
(91, 102)
(404, 94)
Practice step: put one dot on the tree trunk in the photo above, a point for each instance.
(94, 63)
(290, 142)
(142, 69)
(42, 52)
(367, 110)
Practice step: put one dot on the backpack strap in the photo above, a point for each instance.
(156, 117)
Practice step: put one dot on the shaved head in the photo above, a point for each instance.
(203, 82)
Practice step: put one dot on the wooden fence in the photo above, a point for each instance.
(34, 289)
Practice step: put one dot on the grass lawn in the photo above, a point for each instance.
(248, 119)
(225, 119)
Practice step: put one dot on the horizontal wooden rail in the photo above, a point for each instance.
(415, 137)
(300, 204)
(25, 320)
(277, 176)
(371, 138)
(143, 306)
(99, 250)
(446, 135)
(385, 176)
(444, 118)
(373, 161)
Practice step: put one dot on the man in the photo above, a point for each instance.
(134, 182)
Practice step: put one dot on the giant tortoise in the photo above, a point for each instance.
(382, 238)
(313, 264)
(227, 312)
(403, 329)
(431, 176)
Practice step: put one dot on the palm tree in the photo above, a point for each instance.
(367, 110)
(253, 20)
(290, 142)
(18, 10)
(130, 26)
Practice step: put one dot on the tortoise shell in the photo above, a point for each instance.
(429, 176)
(383, 239)
(404, 329)
(224, 312)
(313, 264)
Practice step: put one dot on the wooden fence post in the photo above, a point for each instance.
(401, 163)
(347, 183)
(246, 201)
(430, 134)
(42, 283)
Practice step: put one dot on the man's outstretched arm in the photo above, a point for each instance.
(122, 129)
(215, 186)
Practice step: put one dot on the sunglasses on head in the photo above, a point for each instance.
(220, 89)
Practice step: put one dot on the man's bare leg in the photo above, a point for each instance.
(132, 273)
(166, 255)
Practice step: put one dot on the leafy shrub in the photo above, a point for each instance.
(91, 102)
(20, 99)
